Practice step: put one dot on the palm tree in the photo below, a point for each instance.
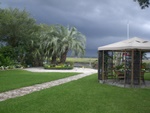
(73, 40)
(39, 44)
(49, 42)
(55, 41)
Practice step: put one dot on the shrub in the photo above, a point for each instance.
(5, 61)
(7, 51)
(95, 64)
(146, 66)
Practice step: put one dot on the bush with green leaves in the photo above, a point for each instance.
(7, 51)
(5, 61)
(95, 64)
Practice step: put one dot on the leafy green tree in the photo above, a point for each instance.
(143, 3)
(16, 26)
(33, 43)
(16, 30)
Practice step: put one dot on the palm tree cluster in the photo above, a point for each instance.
(31, 43)
(55, 41)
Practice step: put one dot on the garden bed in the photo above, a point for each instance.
(58, 67)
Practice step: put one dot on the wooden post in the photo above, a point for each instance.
(140, 68)
(103, 66)
(132, 67)
(125, 69)
(98, 65)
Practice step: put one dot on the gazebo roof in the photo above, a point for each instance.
(132, 43)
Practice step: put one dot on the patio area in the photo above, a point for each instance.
(122, 84)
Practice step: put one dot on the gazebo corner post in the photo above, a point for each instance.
(140, 68)
(100, 62)
(137, 66)
(99, 76)
(125, 69)
(103, 66)
(132, 67)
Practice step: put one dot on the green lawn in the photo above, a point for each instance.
(147, 76)
(12, 79)
(85, 95)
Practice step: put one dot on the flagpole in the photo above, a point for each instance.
(128, 29)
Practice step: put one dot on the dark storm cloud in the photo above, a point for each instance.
(101, 21)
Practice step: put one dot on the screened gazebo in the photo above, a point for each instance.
(130, 53)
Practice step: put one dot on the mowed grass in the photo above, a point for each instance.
(147, 76)
(85, 95)
(13, 79)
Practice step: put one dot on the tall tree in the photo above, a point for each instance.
(46, 44)
(58, 40)
(15, 26)
(71, 40)
(16, 29)
(52, 43)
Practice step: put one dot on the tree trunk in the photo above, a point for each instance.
(53, 59)
(64, 56)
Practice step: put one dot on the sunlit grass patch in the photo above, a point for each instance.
(13, 79)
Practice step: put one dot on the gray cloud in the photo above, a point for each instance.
(102, 21)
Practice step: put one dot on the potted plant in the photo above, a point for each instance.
(119, 67)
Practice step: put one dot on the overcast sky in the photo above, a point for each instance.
(101, 21)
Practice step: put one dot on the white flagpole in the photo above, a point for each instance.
(128, 29)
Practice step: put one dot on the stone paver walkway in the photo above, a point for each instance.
(27, 90)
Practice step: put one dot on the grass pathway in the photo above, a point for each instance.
(27, 90)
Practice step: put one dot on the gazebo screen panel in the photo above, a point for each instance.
(108, 64)
(133, 65)
(136, 66)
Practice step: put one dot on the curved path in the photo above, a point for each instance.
(26, 90)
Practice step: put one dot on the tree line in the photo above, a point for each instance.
(23, 40)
